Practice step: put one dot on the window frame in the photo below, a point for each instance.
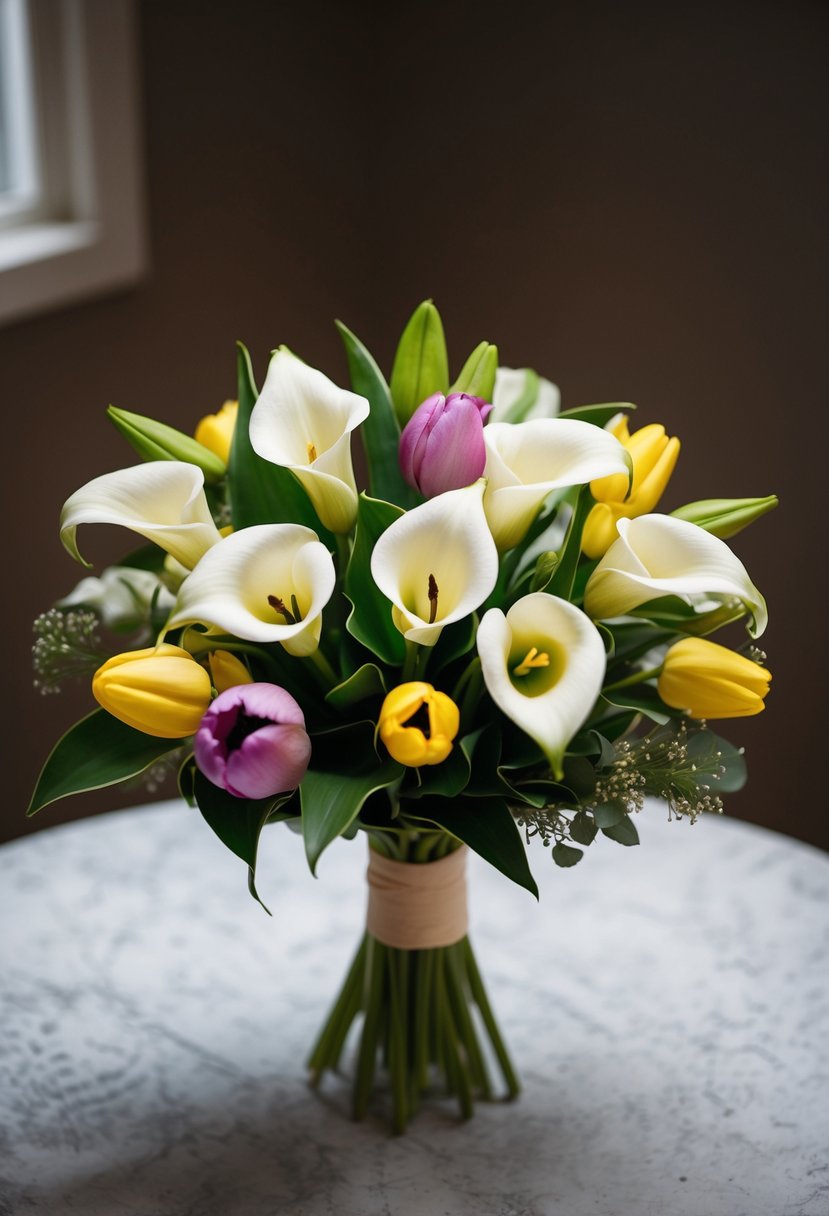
(84, 233)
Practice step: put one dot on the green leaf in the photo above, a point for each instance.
(487, 826)
(146, 557)
(421, 365)
(97, 751)
(445, 780)
(561, 580)
(370, 620)
(477, 376)
(332, 801)
(623, 832)
(599, 415)
(186, 778)
(157, 441)
(367, 681)
(703, 746)
(565, 855)
(262, 492)
(583, 829)
(238, 822)
(455, 640)
(380, 432)
(644, 699)
(608, 815)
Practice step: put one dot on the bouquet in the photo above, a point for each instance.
(500, 641)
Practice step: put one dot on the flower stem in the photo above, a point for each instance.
(636, 678)
(324, 667)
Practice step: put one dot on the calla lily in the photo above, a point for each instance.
(162, 500)
(268, 583)
(437, 563)
(543, 665)
(303, 421)
(122, 596)
(658, 555)
(527, 460)
(521, 394)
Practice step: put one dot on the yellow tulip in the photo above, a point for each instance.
(227, 671)
(417, 724)
(161, 691)
(216, 430)
(711, 681)
(654, 456)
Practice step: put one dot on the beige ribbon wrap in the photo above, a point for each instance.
(415, 906)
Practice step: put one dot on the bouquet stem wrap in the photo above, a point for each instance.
(415, 992)
(417, 907)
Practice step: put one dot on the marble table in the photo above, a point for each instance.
(666, 1006)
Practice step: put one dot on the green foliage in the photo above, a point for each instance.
(488, 827)
(156, 441)
(331, 801)
(421, 364)
(97, 751)
(565, 855)
(370, 621)
(477, 376)
(599, 415)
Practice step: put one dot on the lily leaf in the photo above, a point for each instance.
(97, 751)
(563, 577)
(238, 822)
(487, 826)
(367, 681)
(262, 492)
(599, 415)
(332, 801)
(380, 432)
(445, 780)
(370, 621)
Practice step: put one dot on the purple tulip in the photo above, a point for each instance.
(442, 445)
(252, 741)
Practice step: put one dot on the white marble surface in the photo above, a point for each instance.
(666, 1007)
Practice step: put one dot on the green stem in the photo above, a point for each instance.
(372, 1025)
(410, 662)
(325, 669)
(636, 678)
(343, 553)
(479, 993)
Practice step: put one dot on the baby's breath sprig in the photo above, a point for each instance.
(67, 644)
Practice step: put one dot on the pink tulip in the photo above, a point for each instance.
(252, 741)
(442, 445)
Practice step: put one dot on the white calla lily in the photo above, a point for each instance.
(121, 596)
(543, 665)
(303, 422)
(521, 394)
(437, 563)
(162, 500)
(526, 460)
(658, 555)
(267, 583)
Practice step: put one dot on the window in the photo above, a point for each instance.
(71, 216)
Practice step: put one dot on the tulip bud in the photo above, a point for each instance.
(161, 691)
(226, 671)
(417, 724)
(421, 365)
(215, 431)
(711, 681)
(252, 741)
(725, 517)
(442, 446)
(653, 456)
(156, 441)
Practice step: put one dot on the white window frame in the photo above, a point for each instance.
(79, 227)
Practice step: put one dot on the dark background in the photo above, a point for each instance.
(631, 198)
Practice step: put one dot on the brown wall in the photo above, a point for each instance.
(631, 198)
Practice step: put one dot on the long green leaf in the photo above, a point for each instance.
(563, 577)
(380, 432)
(238, 822)
(367, 681)
(599, 415)
(262, 492)
(97, 751)
(487, 826)
(421, 364)
(370, 621)
(332, 801)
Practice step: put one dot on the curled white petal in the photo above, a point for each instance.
(162, 500)
(658, 555)
(527, 460)
(513, 386)
(548, 703)
(229, 588)
(303, 422)
(447, 538)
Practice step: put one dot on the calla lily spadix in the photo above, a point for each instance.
(543, 665)
(659, 555)
(437, 563)
(526, 460)
(303, 421)
(162, 500)
(268, 583)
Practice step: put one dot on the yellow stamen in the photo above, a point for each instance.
(531, 660)
(312, 452)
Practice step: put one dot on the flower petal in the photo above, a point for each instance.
(162, 500)
(270, 760)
